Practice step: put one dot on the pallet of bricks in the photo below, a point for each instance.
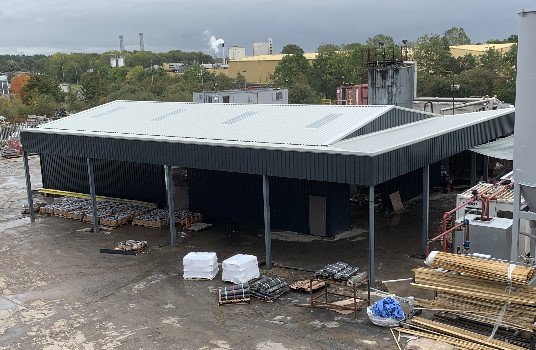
(482, 303)
(110, 213)
(159, 218)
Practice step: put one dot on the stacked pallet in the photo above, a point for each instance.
(111, 213)
(477, 289)
(159, 218)
(456, 336)
(483, 268)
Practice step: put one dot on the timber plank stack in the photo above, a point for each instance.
(483, 268)
(476, 289)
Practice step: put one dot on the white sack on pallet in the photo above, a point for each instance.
(240, 268)
(200, 265)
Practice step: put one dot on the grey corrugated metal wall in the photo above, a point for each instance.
(237, 198)
(347, 169)
(143, 182)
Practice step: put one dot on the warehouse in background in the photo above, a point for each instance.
(261, 95)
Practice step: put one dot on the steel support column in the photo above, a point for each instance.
(425, 206)
(371, 238)
(171, 205)
(485, 167)
(28, 185)
(267, 231)
(515, 224)
(473, 169)
(91, 176)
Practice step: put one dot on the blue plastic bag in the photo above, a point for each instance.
(388, 308)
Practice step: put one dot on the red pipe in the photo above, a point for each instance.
(442, 235)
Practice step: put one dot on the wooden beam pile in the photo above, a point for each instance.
(453, 335)
(483, 268)
(476, 289)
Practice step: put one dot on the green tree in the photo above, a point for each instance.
(301, 92)
(328, 48)
(289, 67)
(433, 56)
(292, 49)
(41, 85)
(375, 41)
(94, 88)
(456, 36)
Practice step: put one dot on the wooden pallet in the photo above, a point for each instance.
(304, 286)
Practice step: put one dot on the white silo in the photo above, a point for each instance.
(525, 131)
(113, 61)
(121, 61)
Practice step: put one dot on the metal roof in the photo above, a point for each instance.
(501, 148)
(290, 125)
(408, 134)
(364, 145)
(277, 57)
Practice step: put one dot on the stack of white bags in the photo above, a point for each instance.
(240, 268)
(200, 265)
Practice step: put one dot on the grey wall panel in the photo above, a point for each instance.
(237, 198)
(359, 170)
(125, 180)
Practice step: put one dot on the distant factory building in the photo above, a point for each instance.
(4, 85)
(236, 52)
(174, 67)
(477, 50)
(263, 48)
(263, 96)
(257, 69)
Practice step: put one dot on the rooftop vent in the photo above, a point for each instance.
(239, 118)
(323, 121)
(95, 116)
(167, 115)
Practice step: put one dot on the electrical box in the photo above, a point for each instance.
(493, 237)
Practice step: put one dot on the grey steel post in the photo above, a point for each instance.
(473, 169)
(93, 195)
(485, 168)
(28, 185)
(371, 238)
(267, 232)
(171, 205)
(425, 206)
(532, 239)
(515, 224)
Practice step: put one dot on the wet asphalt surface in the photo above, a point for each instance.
(57, 291)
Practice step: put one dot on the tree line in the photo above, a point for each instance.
(35, 79)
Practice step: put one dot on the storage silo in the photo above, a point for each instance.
(525, 131)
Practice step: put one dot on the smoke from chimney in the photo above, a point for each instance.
(213, 43)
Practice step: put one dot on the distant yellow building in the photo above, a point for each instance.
(477, 50)
(257, 69)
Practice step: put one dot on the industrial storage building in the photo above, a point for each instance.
(289, 166)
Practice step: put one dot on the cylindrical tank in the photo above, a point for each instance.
(113, 61)
(120, 61)
(525, 122)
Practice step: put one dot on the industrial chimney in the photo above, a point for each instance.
(121, 45)
(223, 53)
(141, 42)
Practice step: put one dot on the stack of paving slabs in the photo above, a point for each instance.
(478, 289)
(269, 288)
(339, 271)
(159, 218)
(200, 265)
(181, 215)
(237, 293)
(111, 213)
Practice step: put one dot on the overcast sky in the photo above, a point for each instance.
(48, 26)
